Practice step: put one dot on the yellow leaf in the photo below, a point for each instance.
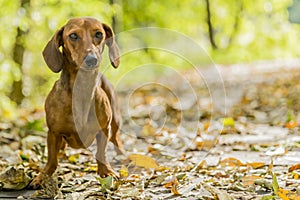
(143, 161)
(228, 121)
(233, 162)
(123, 172)
(256, 165)
(283, 194)
(148, 130)
(162, 168)
(73, 158)
(295, 176)
(90, 169)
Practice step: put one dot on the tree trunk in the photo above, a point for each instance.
(114, 18)
(16, 93)
(210, 27)
(237, 22)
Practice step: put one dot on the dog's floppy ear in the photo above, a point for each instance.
(114, 52)
(52, 55)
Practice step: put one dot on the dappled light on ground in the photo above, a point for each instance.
(250, 153)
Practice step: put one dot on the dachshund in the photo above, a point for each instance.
(82, 104)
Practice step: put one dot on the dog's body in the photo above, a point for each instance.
(82, 104)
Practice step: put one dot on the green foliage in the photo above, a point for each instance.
(294, 15)
(244, 31)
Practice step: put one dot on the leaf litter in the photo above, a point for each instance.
(173, 151)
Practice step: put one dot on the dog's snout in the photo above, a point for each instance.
(91, 60)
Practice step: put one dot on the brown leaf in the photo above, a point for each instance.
(291, 124)
(174, 189)
(294, 167)
(169, 185)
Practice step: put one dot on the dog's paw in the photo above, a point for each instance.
(105, 170)
(36, 182)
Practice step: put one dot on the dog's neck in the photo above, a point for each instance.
(81, 85)
(69, 75)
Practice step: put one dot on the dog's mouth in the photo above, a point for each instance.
(90, 62)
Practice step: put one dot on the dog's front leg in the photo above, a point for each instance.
(54, 144)
(104, 168)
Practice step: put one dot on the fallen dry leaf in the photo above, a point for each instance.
(148, 130)
(250, 180)
(183, 157)
(256, 165)
(233, 162)
(294, 167)
(74, 158)
(219, 194)
(143, 161)
(174, 184)
(123, 172)
(291, 124)
(283, 194)
(13, 178)
(228, 121)
(200, 165)
(206, 145)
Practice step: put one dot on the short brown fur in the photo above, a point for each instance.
(82, 104)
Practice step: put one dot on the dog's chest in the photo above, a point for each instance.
(75, 119)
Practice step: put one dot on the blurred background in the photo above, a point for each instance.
(231, 31)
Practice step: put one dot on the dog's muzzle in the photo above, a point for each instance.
(91, 60)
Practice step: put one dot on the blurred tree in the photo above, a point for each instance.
(230, 31)
(294, 14)
(210, 26)
(16, 93)
(237, 21)
(114, 22)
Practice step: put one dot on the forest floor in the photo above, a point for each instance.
(178, 146)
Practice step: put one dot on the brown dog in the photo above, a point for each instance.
(82, 105)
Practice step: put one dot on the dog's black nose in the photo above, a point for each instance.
(90, 60)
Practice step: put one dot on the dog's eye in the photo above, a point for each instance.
(99, 35)
(73, 36)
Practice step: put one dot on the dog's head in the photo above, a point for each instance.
(82, 41)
